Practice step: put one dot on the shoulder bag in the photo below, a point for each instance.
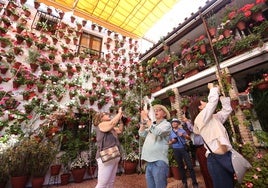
(240, 164)
(110, 153)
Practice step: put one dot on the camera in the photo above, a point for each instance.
(124, 120)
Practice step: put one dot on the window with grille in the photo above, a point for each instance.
(45, 22)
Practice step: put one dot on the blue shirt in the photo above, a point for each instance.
(181, 139)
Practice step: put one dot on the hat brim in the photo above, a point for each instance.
(164, 109)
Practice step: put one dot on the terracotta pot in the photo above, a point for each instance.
(37, 182)
(212, 31)
(175, 172)
(19, 182)
(64, 178)
(257, 16)
(130, 167)
(190, 73)
(241, 25)
(203, 49)
(234, 104)
(78, 174)
(263, 86)
(227, 33)
(224, 50)
(55, 170)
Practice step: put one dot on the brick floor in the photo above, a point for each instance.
(135, 181)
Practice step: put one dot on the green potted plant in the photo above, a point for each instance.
(5, 42)
(171, 94)
(4, 176)
(156, 101)
(41, 156)
(19, 164)
(78, 169)
(246, 43)
(174, 170)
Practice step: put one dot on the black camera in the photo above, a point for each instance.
(124, 120)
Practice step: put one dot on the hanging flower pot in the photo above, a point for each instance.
(263, 86)
(36, 4)
(84, 22)
(61, 14)
(241, 25)
(49, 10)
(203, 48)
(72, 19)
(227, 33)
(224, 50)
(212, 31)
(257, 16)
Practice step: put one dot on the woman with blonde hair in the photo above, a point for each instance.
(107, 136)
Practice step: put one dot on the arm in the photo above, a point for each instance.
(163, 129)
(223, 114)
(119, 129)
(210, 107)
(108, 125)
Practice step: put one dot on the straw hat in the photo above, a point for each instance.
(164, 109)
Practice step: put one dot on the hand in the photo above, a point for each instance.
(120, 110)
(144, 114)
(210, 85)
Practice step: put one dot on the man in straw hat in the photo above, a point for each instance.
(155, 147)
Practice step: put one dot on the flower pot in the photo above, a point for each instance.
(227, 33)
(130, 167)
(257, 16)
(91, 170)
(203, 49)
(212, 31)
(2, 184)
(241, 25)
(234, 104)
(263, 86)
(64, 178)
(55, 170)
(78, 174)
(37, 182)
(175, 172)
(19, 182)
(190, 73)
(224, 50)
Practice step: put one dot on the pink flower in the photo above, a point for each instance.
(255, 176)
(231, 15)
(258, 169)
(259, 155)
(249, 184)
(260, 1)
